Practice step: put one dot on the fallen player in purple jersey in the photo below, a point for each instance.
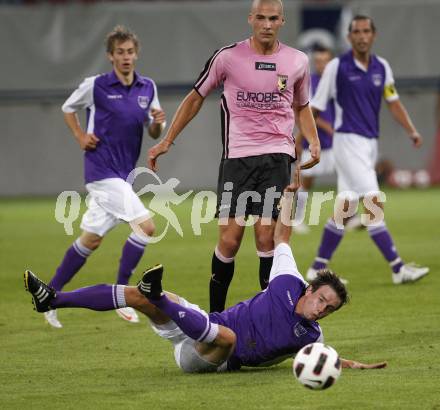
(261, 331)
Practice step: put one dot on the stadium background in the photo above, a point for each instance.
(49, 47)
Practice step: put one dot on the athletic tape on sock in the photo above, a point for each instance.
(265, 254)
(222, 258)
(81, 249)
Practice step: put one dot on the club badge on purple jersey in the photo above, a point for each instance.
(299, 330)
(143, 101)
(377, 79)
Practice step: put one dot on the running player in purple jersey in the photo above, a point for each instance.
(357, 81)
(119, 105)
(266, 87)
(261, 331)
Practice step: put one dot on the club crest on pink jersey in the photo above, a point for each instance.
(282, 82)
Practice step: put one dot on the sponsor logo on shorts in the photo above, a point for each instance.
(114, 96)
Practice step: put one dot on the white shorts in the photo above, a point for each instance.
(326, 165)
(355, 160)
(111, 201)
(185, 353)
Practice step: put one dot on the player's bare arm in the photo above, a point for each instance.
(187, 110)
(324, 125)
(400, 114)
(307, 126)
(86, 141)
(158, 124)
(320, 123)
(352, 364)
(298, 145)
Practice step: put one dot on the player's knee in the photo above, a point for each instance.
(90, 241)
(229, 245)
(148, 227)
(264, 243)
(226, 338)
(264, 239)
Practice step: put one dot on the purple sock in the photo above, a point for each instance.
(131, 255)
(382, 238)
(98, 297)
(75, 257)
(329, 242)
(193, 323)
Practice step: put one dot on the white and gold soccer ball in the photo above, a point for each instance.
(317, 366)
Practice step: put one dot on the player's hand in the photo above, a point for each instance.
(352, 364)
(417, 139)
(154, 152)
(295, 184)
(88, 142)
(158, 116)
(315, 154)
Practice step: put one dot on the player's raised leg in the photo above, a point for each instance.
(209, 344)
(204, 345)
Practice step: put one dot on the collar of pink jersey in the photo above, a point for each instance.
(248, 42)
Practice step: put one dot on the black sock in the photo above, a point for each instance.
(265, 267)
(222, 274)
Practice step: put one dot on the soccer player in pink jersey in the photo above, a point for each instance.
(266, 87)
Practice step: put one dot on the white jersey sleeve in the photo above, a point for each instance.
(389, 90)
(81, 98)
(327, 86)
(284, 263)
(320, 339)
(155, 104)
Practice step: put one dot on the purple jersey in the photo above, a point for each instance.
(116, 114)
(357, 92)
(267, 328)
(328, 115)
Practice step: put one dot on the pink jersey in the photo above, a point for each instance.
(259, 93)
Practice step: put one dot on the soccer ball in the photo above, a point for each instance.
(317, 366)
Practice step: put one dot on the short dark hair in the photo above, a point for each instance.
(327, 277)
(120, 34)
(359, 17)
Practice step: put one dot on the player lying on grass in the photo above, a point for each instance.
(261, 331)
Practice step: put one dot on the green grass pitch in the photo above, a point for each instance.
(98, 361)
